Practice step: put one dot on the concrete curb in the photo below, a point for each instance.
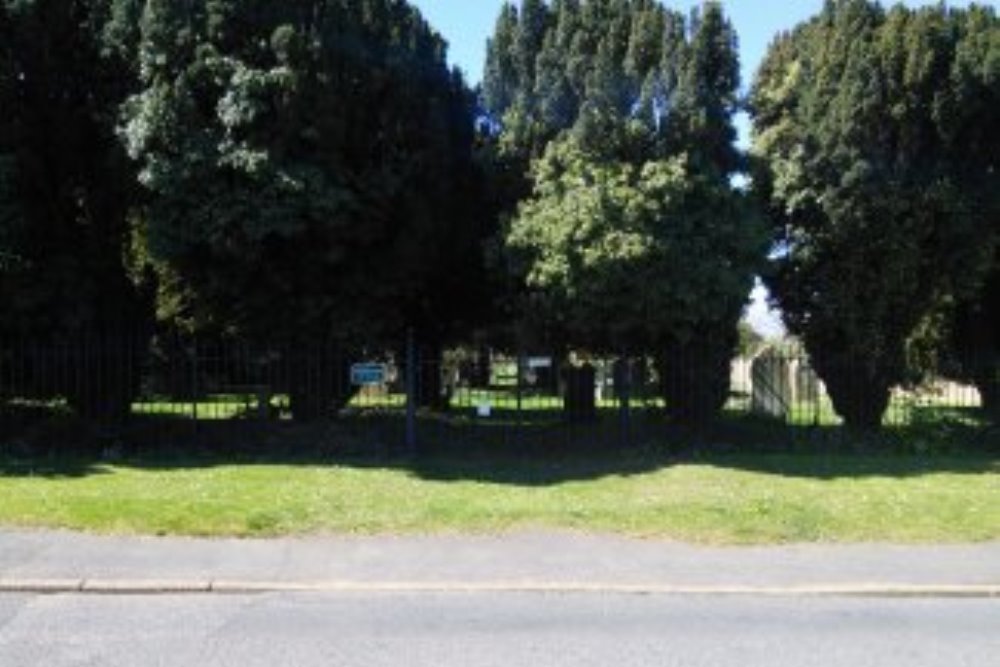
(41, 585)
(143, 587)
(235, 587)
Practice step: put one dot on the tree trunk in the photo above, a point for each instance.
(431, 390)
(103, 379)
(578, 397)
(483, 368)
(860, 393)
(317, 382)
(694, 382)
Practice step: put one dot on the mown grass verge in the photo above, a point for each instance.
(718, 499)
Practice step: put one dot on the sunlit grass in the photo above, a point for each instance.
(904, 409)
(728, 500)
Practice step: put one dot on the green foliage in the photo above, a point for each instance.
(974, 136)
(595, 231)
(309, 165)
(875, 144)
(67, 196)
(610, 69)
(633, 237)
(65, 185)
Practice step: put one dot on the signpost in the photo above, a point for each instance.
(367, 375)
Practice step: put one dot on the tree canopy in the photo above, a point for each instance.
(309, 166)
(66, 188)
(875, 132)
(67, 200)
(311, 175)
(620, 254)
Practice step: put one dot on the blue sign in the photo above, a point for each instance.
(363, 375)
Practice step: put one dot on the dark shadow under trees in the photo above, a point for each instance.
(527, 451)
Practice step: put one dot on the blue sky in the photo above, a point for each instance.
(467, 24)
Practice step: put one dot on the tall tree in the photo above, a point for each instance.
(66, 196)
(309, 166)
(596, 230)
(703, 82)
(628, 114)
(861, 139)
(972, 138)
(500, 80)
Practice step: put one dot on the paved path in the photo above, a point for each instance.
(539, 561)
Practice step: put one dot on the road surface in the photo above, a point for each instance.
(501, 629)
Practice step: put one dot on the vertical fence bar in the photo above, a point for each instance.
(6, 360)
(194, 383)
(519, 387)
(624, 392)
(411, 392)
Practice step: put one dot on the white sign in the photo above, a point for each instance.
(539, 362)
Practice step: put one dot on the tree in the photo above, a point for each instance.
(66, 198)
(628, 115)
(972, 137)
(595, 230)
(310, 172)
(500, 80)
(862, 121)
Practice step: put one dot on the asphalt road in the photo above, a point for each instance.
(504, 629)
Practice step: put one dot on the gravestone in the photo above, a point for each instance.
(779, 382)
(807, 385)
(772, 391)
(740, 376)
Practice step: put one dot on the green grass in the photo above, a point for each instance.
(722, 500)
(222, 407)
(214, 408)
(902, 411)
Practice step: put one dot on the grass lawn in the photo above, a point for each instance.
(720, 500)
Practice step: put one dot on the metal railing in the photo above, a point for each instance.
(176, 389)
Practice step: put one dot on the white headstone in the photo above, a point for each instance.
(773, 386)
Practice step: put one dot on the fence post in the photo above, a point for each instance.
(624, 391)
(194, 382)
(411, 392)
(519, 388)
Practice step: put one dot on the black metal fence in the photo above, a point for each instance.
(174, 389)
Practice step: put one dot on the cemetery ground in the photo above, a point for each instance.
(743, 481)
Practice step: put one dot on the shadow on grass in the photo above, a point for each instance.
(525, 450)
